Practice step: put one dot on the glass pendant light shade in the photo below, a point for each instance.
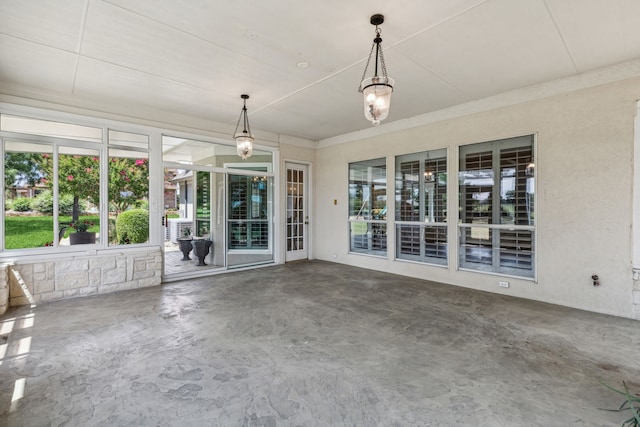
(376, 93)
(244, 144)
(244, 139)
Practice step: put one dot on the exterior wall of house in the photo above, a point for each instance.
(170, 198)
(80, 275)
(583, 206)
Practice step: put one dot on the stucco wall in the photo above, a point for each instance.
(584, 172)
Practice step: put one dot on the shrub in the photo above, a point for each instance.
(7, 205)
(22, 204)
(142, 204)
(132, 226)
(43, 203)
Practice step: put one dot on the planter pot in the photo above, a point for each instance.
(201, 250)
(185, 248)
(82, 237)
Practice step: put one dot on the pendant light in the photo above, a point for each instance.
(244, 139)
(377, 89)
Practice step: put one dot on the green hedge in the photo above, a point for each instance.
(133, 226)
(22, 204)
(43, 203)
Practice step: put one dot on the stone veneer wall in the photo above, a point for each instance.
(636, 293)
(4, 288)
(82, 275)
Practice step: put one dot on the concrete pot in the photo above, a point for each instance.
(201, 250)
(82, 237)
(185, 248)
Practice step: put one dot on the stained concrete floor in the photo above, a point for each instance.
(312, 344)
(174, 264)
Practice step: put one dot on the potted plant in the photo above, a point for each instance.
(185, 243)
(631, 403)
(82, 236)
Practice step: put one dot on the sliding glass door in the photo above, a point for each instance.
(193, 221)
(249, 219)
(213, 201)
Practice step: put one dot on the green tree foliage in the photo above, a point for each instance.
(43, 203)
(21, 168)
(128, 182)
(78, 176)
(132, 226)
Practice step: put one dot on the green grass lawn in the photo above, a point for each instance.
(35, 231)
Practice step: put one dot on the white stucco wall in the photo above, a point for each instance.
(584, 172)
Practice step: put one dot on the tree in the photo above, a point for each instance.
(128, 181)
(21, 169)
(78, 176)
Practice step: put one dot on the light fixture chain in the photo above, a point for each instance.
(246, 119)
(238, 124)
(383, 65)
(366, 66)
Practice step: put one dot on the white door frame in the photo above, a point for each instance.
(308, 208)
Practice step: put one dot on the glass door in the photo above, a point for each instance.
(213, 196)
(297, 214)
(193, 221)
(249, 220)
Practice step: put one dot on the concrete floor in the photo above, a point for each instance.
(174, 264)
(312, 344)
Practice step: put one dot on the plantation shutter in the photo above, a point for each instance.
(516, 246)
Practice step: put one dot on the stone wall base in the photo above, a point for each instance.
(79, 275)
(4, 288)
(635, 293)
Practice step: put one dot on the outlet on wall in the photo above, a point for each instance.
(503, 284)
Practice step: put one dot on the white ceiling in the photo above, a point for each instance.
(195, 57)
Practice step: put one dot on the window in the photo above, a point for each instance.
(368, 207)
(249, 214)
(52, 188)
(57, 176)
(421, 207)
(78, 193)
(497, 190)
(50, 129)
(128, 183)
(23, 174)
